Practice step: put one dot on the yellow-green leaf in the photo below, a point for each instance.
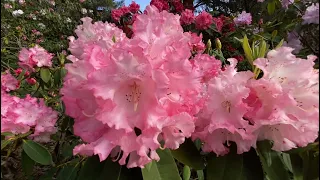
(280, 43)
(271, 7)
(263, 49)
(247, 50)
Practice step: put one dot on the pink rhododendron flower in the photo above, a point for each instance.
(131, 94)
(243, 19)
(208, 66)
(196, 43)
(162, 5)
(219, 23)
(22, 2)
(18, 71)
(221, 120)
(311, 15)
(134, 7)
(36, 56)
(20, 115)
(116, 14)
(7, 6)
(178, 6)
(187, 17)
(284, 104)
(203, 20)
(8, 82)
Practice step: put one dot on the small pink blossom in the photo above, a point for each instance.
(162, 5)
(219, 23)
(116, 14)
(134, 7)
(7, 6)
(243, 19)
(196, 43)
(22, 2)
(20, 115)
(187, 17)
(81, 1)
(36, 56)
(8, 82)
(178, 6)
(203, 20)
(18, 71)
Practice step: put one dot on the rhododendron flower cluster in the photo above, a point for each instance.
(130, 95)
(311, 15)
(187, 17)
(21, 115)
(203, 20)
(243, 110)
(243, 19)
(36, 56)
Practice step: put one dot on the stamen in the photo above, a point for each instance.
(226, 105)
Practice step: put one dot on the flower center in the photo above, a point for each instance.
(134, 95)
(226, 105)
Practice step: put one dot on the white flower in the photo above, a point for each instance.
(16, 13)
(68, 20)
(43, 12)
(22, 2)
(42, 26)
(84, 11)
(90, 11)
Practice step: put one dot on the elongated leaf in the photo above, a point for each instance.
(27, 164)
(4, 143)
(68, 172)
(310, 166)
(271, 162)
(247, 50)
(186, 173)
(165, 169)
(6, 134)
(228, 167)
(45, 74)
(37, 152)
(263, 49)
(188, 154)
(271, 7)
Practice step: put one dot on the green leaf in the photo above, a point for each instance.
(186, 173)
(271, 162)
(188, 154)
(37, 152)
(6, 134)
(263, 49)
(310, 166)
(247, 50)
(68, 172)
(274, 34)
(45, 74)
(228, 167)
(271, 7)
(165, 169)
(280, 43)
(57, 77)
(27, 164)
(4, 143)
(200, 175)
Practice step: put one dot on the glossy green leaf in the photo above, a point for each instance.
(68, 172)
(37, 152)
(271, 162)
(311, 146)
(27, 164)
(310, 166)
(186, 174)
(228, 167)
(57, 77)
(4, 143)
(188, 154)
(45, 74)
(274, 34)
(165, 169)
(297, 166)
